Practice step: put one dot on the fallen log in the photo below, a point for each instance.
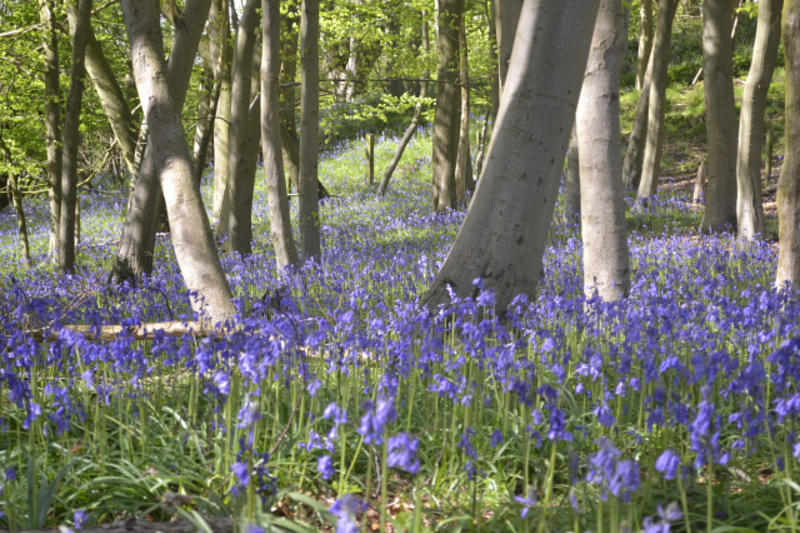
(141, 332)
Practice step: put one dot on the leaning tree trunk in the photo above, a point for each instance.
(634, 154)
(463, 171)
(606, 267)
(572, 182)
(651, 162)
(309, 129)
(69, 170)
(645, 40)
(279, 222)
(749, 209)
(506, 15)
(448, 105)
(135, 252)
(503, 236)
(220, 34)
(242, 144)
(191, 231)
(52, 118)
(788, 274)
(720, 212)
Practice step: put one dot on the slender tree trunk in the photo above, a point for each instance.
(206, 109)
(699, 192)
(22, 227)
(634, 154)
(651, 162)
(448, 103)
(398, 154)
(52, 120)
(606, 267)
(191, 231)
(788, 273)
(749, 209)
(135, 253)
(494, 71)
(645, 40)
(290, 144)
(220, 33)
(720, 212)
(503, 236)
(277, 197)
(114, 104)
(69, 170)
(242, 144)
(309, 129)
(572, 182)
(463, 171)
(507, 13)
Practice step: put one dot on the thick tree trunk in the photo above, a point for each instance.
(720, 212)
(572, 182)
(115, 106)
(788, 273)
(220, 34)
(277, 198)
(69, 170)
(507, 13)
(290, 144)
(191, 231)
(309, 129)
(749, 209)
(135, 254)
(634, 154)
(242, 139)
(651, 162)
(645, 40)
(606, 267)
(503, 236)
(463, 171)
(446, 126)
(52, 119)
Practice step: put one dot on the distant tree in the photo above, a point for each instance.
(465, 182)
(634, 154)
(309, 129)
(788, 273)
(749, 209)
(572, 182)
(506, 16)
(503, 236)
(606, 267)
(645, 40)
(219, 29)
(720, 212)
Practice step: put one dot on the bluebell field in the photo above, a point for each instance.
(340, 402)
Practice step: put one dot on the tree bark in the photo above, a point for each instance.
(242, 138)
(277, 197)
(135, 253)
(463, 171)
(22, 226)
(788, 273)
(606, 267)
(572, 182)
(721, 130)
(503, 236)
(749, 208)
(651, 161)
(634, 154)
(52, 120)
(290, 144)
(446, 126)
(191, 232)
(645, 41)
(494, 71)
(507, 13)
(220, 34)
(206, 109)
(309, 129)
(71, 142)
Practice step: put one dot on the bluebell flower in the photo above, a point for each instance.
(79, 518)
(242, 475)
(668, 463)
(345, 510)
(403, 453)
(528, 502)
(325, 467)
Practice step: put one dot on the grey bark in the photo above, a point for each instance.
(507, 13)
(749, 208)
(645, 40)
(191, 232)
(71, 136)
(220, 34)
(651, 161)
(606, 267)
(242, 138)
(494, 71)
(446, 125)
(634, 154)
(463, 171)
(700, 179)
(309, 129)
(52, 120)
(135, 253)
(721, 128)
(277, 197)
(788, 273)
(290, 143)
(503, 236)
(572, 182)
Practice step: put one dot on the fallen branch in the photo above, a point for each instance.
(140, 332)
